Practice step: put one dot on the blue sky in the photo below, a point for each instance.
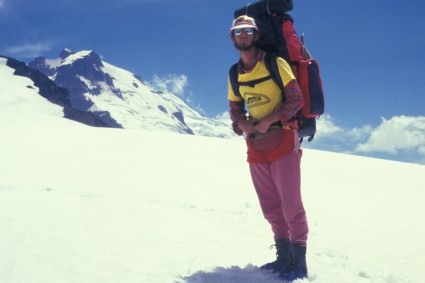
(371, 54)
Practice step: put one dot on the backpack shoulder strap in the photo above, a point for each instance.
(271, 65)
(233, 77)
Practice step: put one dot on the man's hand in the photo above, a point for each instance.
(247, 126)
(264, 125)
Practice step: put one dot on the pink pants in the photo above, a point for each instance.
(278, 187)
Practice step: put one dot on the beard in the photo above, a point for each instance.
(244, 46)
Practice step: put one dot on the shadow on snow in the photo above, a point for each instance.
(234, 274)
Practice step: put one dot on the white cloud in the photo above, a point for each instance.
(359, 134)
(326, 126)
(170, 83)
(29, 50)
(400, 138)
(399, 134)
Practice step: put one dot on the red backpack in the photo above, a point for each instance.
(279, 38)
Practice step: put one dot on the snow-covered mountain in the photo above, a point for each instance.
(120, 98)
(17, 79)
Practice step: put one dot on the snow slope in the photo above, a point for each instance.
(19, 95)
(83, 204)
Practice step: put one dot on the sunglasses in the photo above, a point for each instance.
(248, 31)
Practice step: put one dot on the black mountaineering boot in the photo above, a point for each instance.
(285, 257)
(297, 270)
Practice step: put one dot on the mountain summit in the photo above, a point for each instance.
(120, 99)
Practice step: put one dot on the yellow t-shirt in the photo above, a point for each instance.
(262, 99)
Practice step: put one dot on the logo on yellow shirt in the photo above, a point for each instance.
(256, 99)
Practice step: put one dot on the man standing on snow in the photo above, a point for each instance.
(274, 153)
